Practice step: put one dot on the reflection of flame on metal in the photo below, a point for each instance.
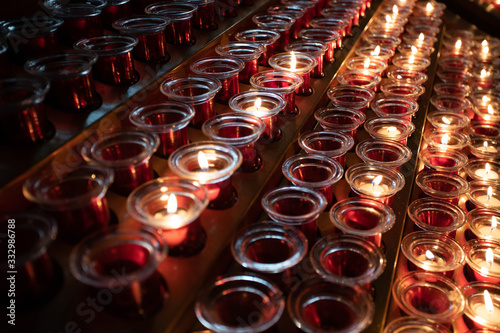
(202, 161)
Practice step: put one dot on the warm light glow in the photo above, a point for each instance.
(391, 129)
(489, 257)
(487, 170)
(458, 44)
(257, 104)
(445, 139)
(203, 162)
(377, 180)
(376, 52)
(484, 73)
(388, 19)
(414, 49)
(486, 147)
(486, 99)
(429, 255)
(366, 65)
(429, 7)
(172, 204)
(421, 37)
(293, 62)
(395, 10)
(493, 223)
(488, 303)
(484, 43)
(490, 109)
(411, 59)
(446, 121)
(485, 50)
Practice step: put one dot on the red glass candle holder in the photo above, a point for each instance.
(396, 107)
(212, 164)
(452, 88)
(417, 29)
(204, 16)
(408, 49)
(240, 302)
(484, 223)
(72, 85)
(483, 169)
(319, 306)
(201, 99)
(442, 185)
(484, 147)
(485, 194)
(340, 119)
(451, 103)
(408, 91)
(429, 20)
(444, 160)
(315, 49)
(411, 62)
(360, 78)
(360, 5)
(375, 52)
(282, 83)
(387, 28)
(485, 77)
(420, 40)
(347, 259)
(115, 10)
(298, 63)
(76, 198)
(410, 323)
(134, 256)
(241, 131)
(456, 63)
(432, 252)
(42, 38)
(331, 24)
(173, 207)
(352, 10)
(383, 40)
(483, 260)
(295, 11)
(374, 182)
(150, 33)
(267, 38)
(317, 172)
(386, 153)
(480, 317)
(486, 105)
(330, 143)
(444, 139)
(390, 129)
(247, 52)
(22, 115)
(454, 34)
(331, 38)
(114, 64)
(276, 22)
(441, 216)
(367, 64)
(351, 96)
(82, 18)
(224, 69)
(448, 120)
(453, 75)
(168, 121)
(478, 128)
(429, 295)
(350, 15)
(272, 250)
(295, 206)
(37, 278)
(309, 7)
(179, 31)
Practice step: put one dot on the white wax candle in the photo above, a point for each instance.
(486, 268)
(487, 149)
(437, 261)
(486, 174)
(492, 317)
(487, 231)
(389, 131)
(489, 201)
(369, 188)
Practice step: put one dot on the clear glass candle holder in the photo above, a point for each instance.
(448, 120)
(417, 29)
(201, 99)
(241, 131)
(133, 255)
(72, 86)
(82, 18)
(390, 129)
(266, 38)
(444, 139)
(411, 62)
(38, 277)
(386, 153)
(76, 198)
(271, 250)
(485, 77)
(295, 11)
(331, 23)
(452, 88)
(429, 295)
(244, 302)
(308, 6)
(480, 317)
(204, 16)
(453, 75)
(432, 252)
(450, 103)
(419, 40)
(276, 22)
(389, 29)
(484, 223)
(317, 172)
(478, 128)
(396, 107)
(150, 34)
(442, 185)
(347, 259)
(384, 40)
(168, 120)
(212, 164)
(340, 119)
(22, 114)
(282, 83)
(350, 15)
(330, 143)
(315, 49)
(351, 96)
(367, 64)
(331, 38)
(41, 40)
(484, 194)
(375, 182)
(483, 260)
(429, 20)
(296, 206)
(173, 207)
(455, 63)
(360, 78)
(482, 147)
(224, 69)
(248, 52)
(319, 306)
(483, 169)
(179, 31)
(411, 324)
(408, 91)
(486, 106)
(441, 216)
(298, 63)
(114, 64)
(375, 52)
(408, 49)
(444, 160)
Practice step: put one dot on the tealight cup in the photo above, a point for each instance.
(331, 38)
(431, 214)
(485, 194)
(313, 48)
(484, 223)
(478, 316)
(396, 107)
(444, 160)
(386, 153)
(360, 78)
(276, 22)
(411, 323)
(340, 119)
(266, 38)
(390, 129)
(483, 169)
(248, 52)
(483, 260)
(179, 31)
(442, 185)
(351, 96)
(444, 139)
(298, 63)
(330, 143)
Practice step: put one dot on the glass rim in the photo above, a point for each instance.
(476, 143)
(309, 159)
(37, 85)
(141, 25)
(474, 163)
(176, 11)
(294, 79)
(411, 106)
(404, 153)
(435, 115)
(373, 78)
(231, 66)
(138, 114)
(100, 44)
(459, 85)
(279, 22)
(168, 87)
(242, 50)
(474, 125)
(418, 90)
(279, 103)
(321, 34)
(458, 157)
(395, 177)
(407, 127)
(346, 142)
(412, 323)
(460, 184)
(481, 245)
(419, 63)
(16, 26)
(452, 209)
(271, 36)
(478, 288)
(462, 139)
(55, 66)
(335, 111)
(305, 62)
(481, 186)
(478, 215)
(464, 103)
(255, 124)
(352, 90)
(67, 9)
(306, 46)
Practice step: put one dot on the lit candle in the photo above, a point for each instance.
(366, 64)
(445, 139)
(171, 219)
(458, 45)
(395, 10)
(492, 230)
(293, 62)
(374, 187)
(486, 173)
(389, 131)
(488, 199)
(421, 39)
(257, 108)
(485, 148)
(430, 259)
(429, 8)
(488, 265)
(487, 311)
(446, 121)
(376, 51)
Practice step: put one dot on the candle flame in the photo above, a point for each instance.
(391, 129)
(493, 223)
(489, 257)
(485, 50)
(446, 120)
(429, 255)
(486, 99)
(421, 37)
(257, 104)
(489, 193)
(488, 303)
(487, 170)
(458, 44)
(429, 7)
(411, 59)
(376, 52)
(388, 18)
(484, 73)
(172, 204)
(293, 62)
(414, 49)
(484, 43)
(490, 109)
(395, 10)
(445, 139)
(377, 180)
(366, 64)
(203, 162)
